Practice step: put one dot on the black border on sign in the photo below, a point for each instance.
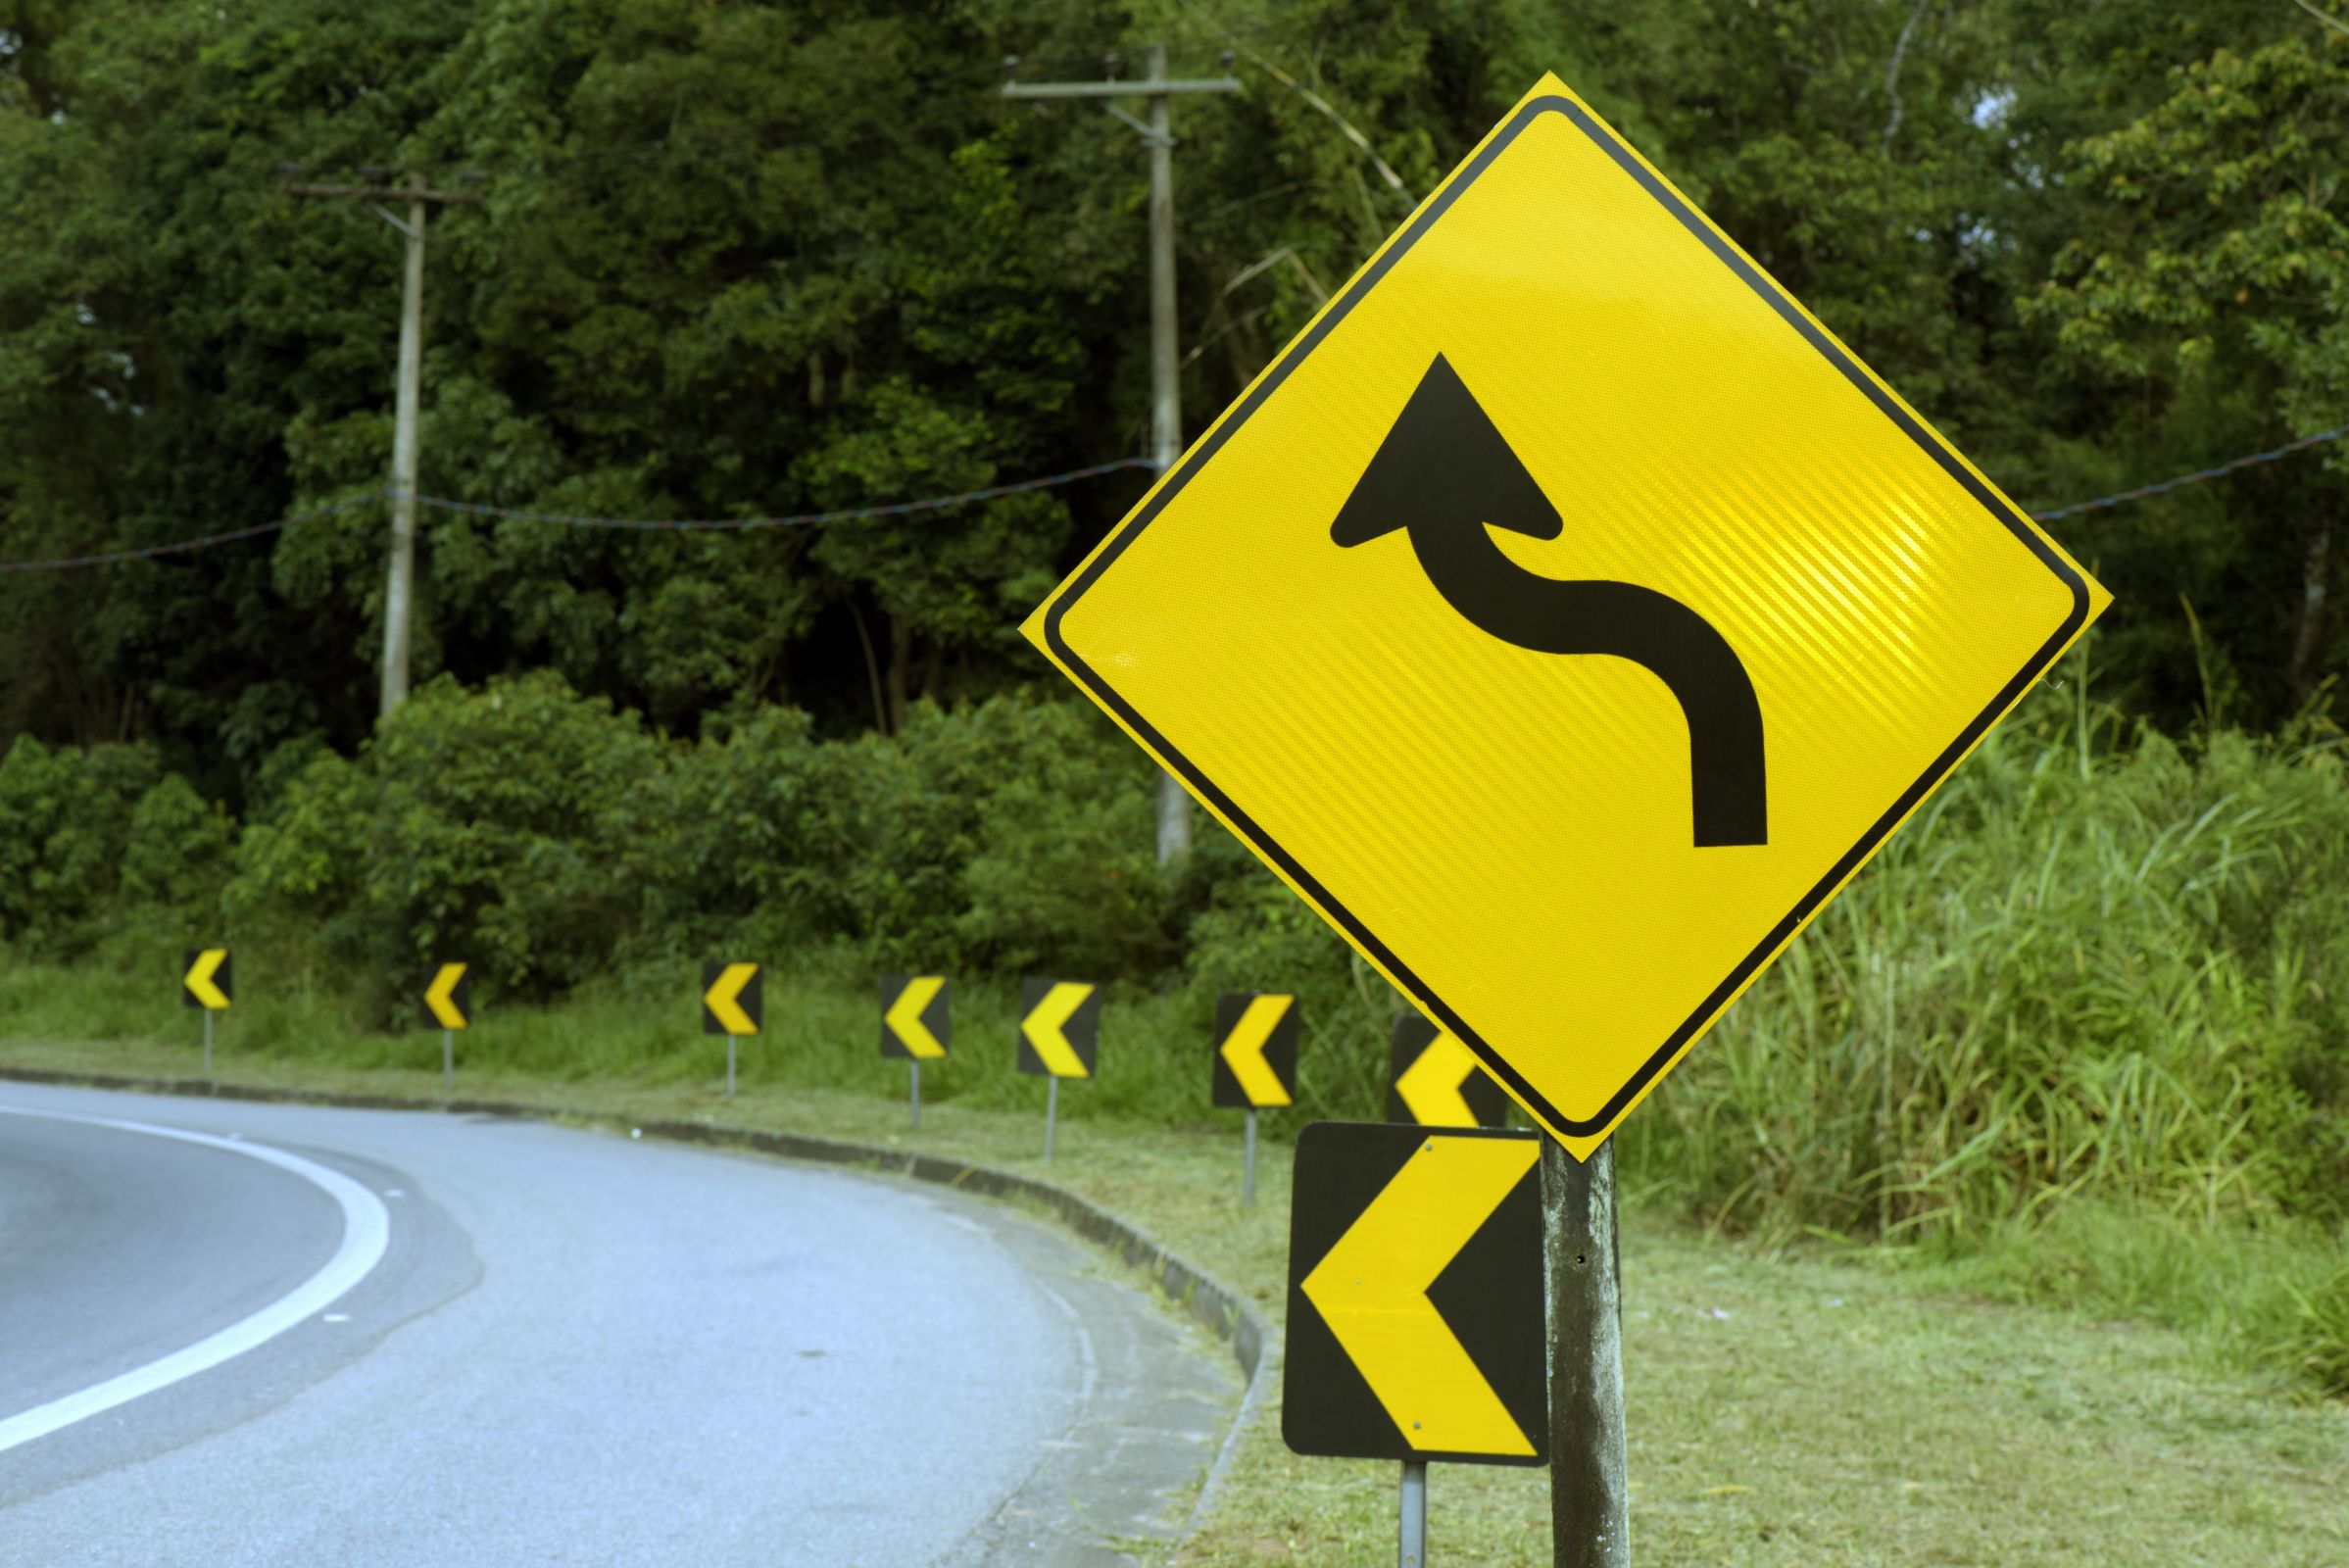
(1792, 313)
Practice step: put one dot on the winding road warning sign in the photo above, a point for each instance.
(1566, 616)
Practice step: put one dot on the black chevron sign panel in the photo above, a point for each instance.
(1437, 1081)
(1415, 1299)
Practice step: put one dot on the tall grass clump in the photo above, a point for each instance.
(2117, 973)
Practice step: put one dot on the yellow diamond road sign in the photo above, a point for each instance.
(1566, 614)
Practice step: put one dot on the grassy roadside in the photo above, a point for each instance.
(1788, 1410)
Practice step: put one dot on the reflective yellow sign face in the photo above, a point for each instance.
(1566, 614)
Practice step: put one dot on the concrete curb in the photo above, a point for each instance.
(1199, 1295)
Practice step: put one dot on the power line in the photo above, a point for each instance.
(901, 509)
(476, 508)
(2196, 477)
(801, 519)
(115, 557)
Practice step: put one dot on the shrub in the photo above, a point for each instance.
(65, 819)
(1061, 871)
(2118, 976)
(176, 852)
(496, 828)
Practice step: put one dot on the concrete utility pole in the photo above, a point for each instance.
(398, 597)
(1166, 396)
(1589, 1492)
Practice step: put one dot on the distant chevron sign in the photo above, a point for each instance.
(913, 1018)
(206, 980)
(1061, 1028)
(731, 1003)
(449, 999)
(1437, 1082)
(1255, 1050)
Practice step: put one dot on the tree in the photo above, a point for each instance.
(2214, 291)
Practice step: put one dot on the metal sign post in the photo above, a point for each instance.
(447, 1058)
(1589, 1493)
(1412, 1516)
(207, 1042)
(913, 1026)
(1052, 1115)
(1253, 1063)
(729, 1067)
(1248, 1181)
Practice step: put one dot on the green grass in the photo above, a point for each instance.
(1792, 1411)
(1793, 1403)
(2252, 1288)
(822, 1031)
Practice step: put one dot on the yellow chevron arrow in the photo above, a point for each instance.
(1242, 1050)
(441, 997)
(198, 979)
(1043, 1028)
(719, 998)
(1431, 1086)
(1372, 1292)
(903, 1017)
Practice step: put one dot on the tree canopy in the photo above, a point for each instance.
(739, 259)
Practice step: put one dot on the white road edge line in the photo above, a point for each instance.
(366, 1234)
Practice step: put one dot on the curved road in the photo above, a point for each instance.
(561, 1346)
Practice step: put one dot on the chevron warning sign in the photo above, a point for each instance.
(1415, 1305)
(1061, 1028)
(1255, 1050)
(730, 1003)
(449, 999)
(206, 980)
(913, 1018)
(1438, 1082)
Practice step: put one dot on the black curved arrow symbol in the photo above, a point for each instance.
(1446, 476)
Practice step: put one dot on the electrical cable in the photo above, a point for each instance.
(901, 509)
(2196, 477)
(898, 509)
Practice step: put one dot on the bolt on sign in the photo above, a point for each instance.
(1061, 1028)
(207, 980)
(449, 997)
(1415, 1306)
(913, 1018)
(730, 999)
(1566, 614)
(1437, 1081)
(1256, 1050)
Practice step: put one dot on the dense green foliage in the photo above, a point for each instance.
(744, 259)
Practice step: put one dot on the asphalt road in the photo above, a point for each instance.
(334, 1336)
